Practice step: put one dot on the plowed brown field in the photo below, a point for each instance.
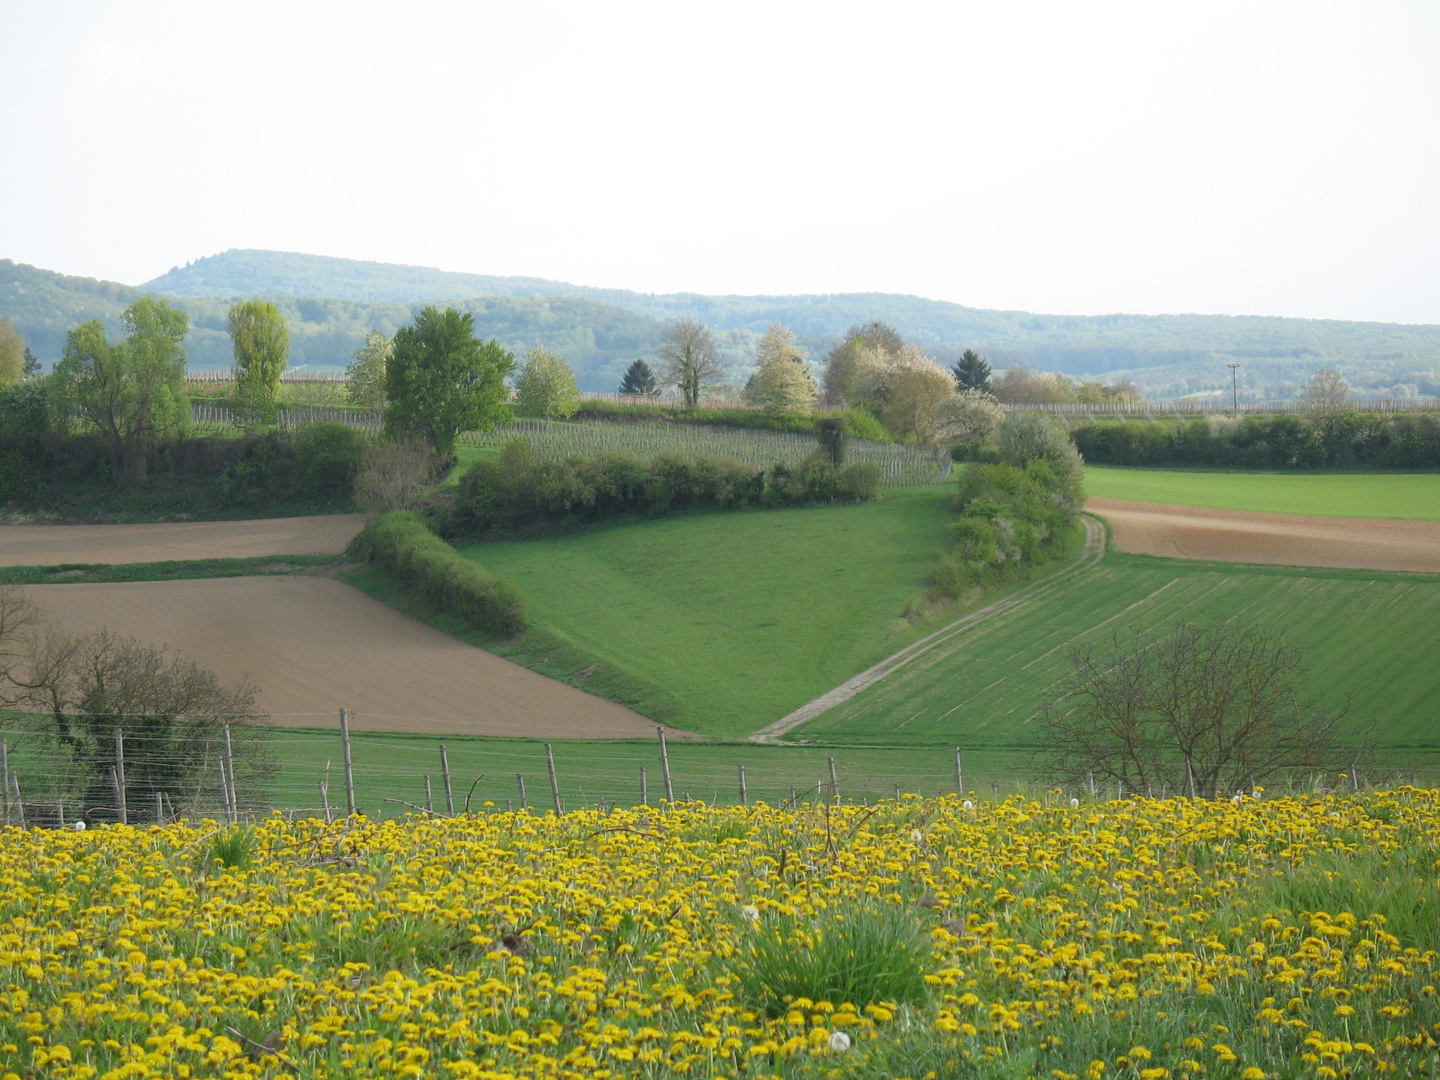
(1192, 532)
(314, 645)
(50, 545)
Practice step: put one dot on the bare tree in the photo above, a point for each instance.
(688, 358)
(394, 475)
(1197, 711)
(79, 691)
(1326, 393)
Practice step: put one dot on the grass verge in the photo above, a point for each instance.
(169, 571)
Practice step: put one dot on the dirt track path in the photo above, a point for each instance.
(313, 645)
(50, 545)
(1192, 532)
(1094, 550)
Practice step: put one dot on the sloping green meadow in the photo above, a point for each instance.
(1371, 635)
(1404, 496)
(740, 616)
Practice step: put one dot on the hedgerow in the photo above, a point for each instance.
(523, 495)
(404, 545)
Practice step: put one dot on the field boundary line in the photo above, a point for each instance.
(1093, 551)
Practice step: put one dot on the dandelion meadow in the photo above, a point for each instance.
(1252, 938)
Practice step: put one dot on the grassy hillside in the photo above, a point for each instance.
(1362, 633)
(741, 617)
(1404, 496)
(1167, 354)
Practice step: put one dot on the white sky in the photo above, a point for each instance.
(1253, 157)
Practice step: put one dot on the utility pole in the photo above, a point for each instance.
(1234, 388)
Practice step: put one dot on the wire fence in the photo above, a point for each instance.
(241, 771)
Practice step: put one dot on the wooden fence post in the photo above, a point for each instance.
(554, 783)
(119, 776)
(349, 765)
(665, 767)
(230, 769)
(159, 809)
(834, 783)
(644, 788)
(19, 799)
(897, 792)
(115, 786)
(429, 802)
(60, 812)
(325, 802)
(445, 775)
(744, 795)
(959, 773)
(520, 780)
(5, 775)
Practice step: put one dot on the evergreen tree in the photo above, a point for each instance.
(971, 372)
(639, 379)
(32, 364)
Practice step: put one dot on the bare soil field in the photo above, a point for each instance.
(50, 545)
(1191, 532)
(314, 645)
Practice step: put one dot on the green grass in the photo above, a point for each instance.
(740, 617)
(1406, 496)
(394, 766)
(167, 571)
(1359, 632)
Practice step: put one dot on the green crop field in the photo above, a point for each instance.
(904, 466)
(1407, 496)
(738, 617)
(395, 766)
(1360, 632)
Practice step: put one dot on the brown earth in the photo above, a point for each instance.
(1193, 532)
(50, 545)
(314, 645)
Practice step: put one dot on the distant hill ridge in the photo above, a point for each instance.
(331, 302)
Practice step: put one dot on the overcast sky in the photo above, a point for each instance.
(1241, 158)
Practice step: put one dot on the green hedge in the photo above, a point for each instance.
(403, 544)
(522, 495)
(859, 423)
(1344, 440)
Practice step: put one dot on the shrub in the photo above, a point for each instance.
(402, 543)
(328, 455)
(393, 475)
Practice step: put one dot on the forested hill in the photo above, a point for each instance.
(1168, 354)
(598, 339)
(330, 304)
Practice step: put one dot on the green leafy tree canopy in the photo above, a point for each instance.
(13, 354)
(260, 338)
(441, 380)
(131, 392)
(545, 385)
(365, 374)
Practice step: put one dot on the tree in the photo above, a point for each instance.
(688, 359)
(365, 374)
(131, 392)
(260, 339)
(916, 391)
(1026, 437)
(1326, 393)
(32, 364)
(639, 379)
(1018, 386)
(1200, 711)
(441, 380)
(969, 418)
(545, 385)
(14, 354)
(781, 383)
(971, 372)
(172, 713)
(866, 339)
